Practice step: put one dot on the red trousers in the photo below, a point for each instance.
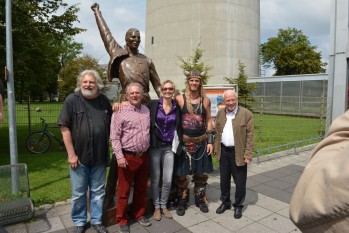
(136, 172)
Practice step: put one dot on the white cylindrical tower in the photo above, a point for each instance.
(228, 30)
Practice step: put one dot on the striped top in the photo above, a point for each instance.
(129, 130)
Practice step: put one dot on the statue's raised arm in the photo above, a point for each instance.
(110, 43)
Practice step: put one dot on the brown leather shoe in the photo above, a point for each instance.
(157, 214)
(167, 213)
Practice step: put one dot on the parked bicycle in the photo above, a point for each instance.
(40, 141)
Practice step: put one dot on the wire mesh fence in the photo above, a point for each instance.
(28, 116)
(278, 124)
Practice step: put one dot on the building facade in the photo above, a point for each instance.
(228, 30)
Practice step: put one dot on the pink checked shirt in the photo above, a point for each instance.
(129, 130)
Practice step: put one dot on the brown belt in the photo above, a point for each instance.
(138, 154)
(199, 140)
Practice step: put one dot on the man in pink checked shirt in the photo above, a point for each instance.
(130, 140)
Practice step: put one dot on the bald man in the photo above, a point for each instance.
(234, 149)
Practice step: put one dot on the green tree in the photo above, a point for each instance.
(38, 30)
(194, 63)
(71, 70)
(245, 89)
(291, 53)
(67, 50)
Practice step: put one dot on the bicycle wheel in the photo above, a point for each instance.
(38, 142)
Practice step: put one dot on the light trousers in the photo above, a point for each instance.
(161, 161)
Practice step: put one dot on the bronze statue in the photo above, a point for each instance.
(127, 64)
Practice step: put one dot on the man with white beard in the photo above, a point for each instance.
(85, 126)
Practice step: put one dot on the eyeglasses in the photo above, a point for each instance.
(167, 89)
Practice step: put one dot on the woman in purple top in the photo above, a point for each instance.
(165, 121)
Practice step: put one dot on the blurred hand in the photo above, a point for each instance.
(209, 149)
(122, 163)
(73, 161)
(247, 160)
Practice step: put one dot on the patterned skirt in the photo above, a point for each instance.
(191, 163)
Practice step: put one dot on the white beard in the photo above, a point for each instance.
(89, 94)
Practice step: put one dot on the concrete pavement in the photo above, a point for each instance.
(269, 189)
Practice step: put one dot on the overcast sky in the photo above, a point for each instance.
(312, 17)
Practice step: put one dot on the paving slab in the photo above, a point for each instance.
(20, 228)
(256, 228)
(208, 227)
(255, 212)
(272, 204)
(278, 223)
(191, 218)
(51, 224)
(228, 221)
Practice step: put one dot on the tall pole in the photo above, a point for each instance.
(337, 94)
(11, 98)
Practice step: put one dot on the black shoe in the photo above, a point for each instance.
(144, 222)
(124, 229)
(99, 228)
(180, 210)
(222, 208)
(203, 208)
(237, 213)
(79, 229)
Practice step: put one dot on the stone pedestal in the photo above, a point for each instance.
(108, 217)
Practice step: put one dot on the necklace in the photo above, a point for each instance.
(191, 97)
(195, 110)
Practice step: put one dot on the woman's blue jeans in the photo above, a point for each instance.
(161, 157)
(82, 179)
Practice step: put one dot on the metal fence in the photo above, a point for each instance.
(28, 116)
(273, 128)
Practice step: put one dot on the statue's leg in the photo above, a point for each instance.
(110, 189)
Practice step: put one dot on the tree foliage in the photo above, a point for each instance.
(245, 89)
(69, 73)
(39, 34)
(194, 63)
(291, 53)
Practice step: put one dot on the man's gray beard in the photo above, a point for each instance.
(89, 94)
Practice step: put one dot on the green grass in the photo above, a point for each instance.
(272, 130)
(48, 176)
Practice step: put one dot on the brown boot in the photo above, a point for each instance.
(157, 214)
(167, 213)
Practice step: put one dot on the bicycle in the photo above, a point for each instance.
(40, 141)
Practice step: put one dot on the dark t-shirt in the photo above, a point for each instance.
(98, 127)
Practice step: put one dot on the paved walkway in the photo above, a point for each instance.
(269, 189)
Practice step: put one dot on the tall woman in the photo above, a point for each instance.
(165, 120)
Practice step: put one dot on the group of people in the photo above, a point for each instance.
(168, 139)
